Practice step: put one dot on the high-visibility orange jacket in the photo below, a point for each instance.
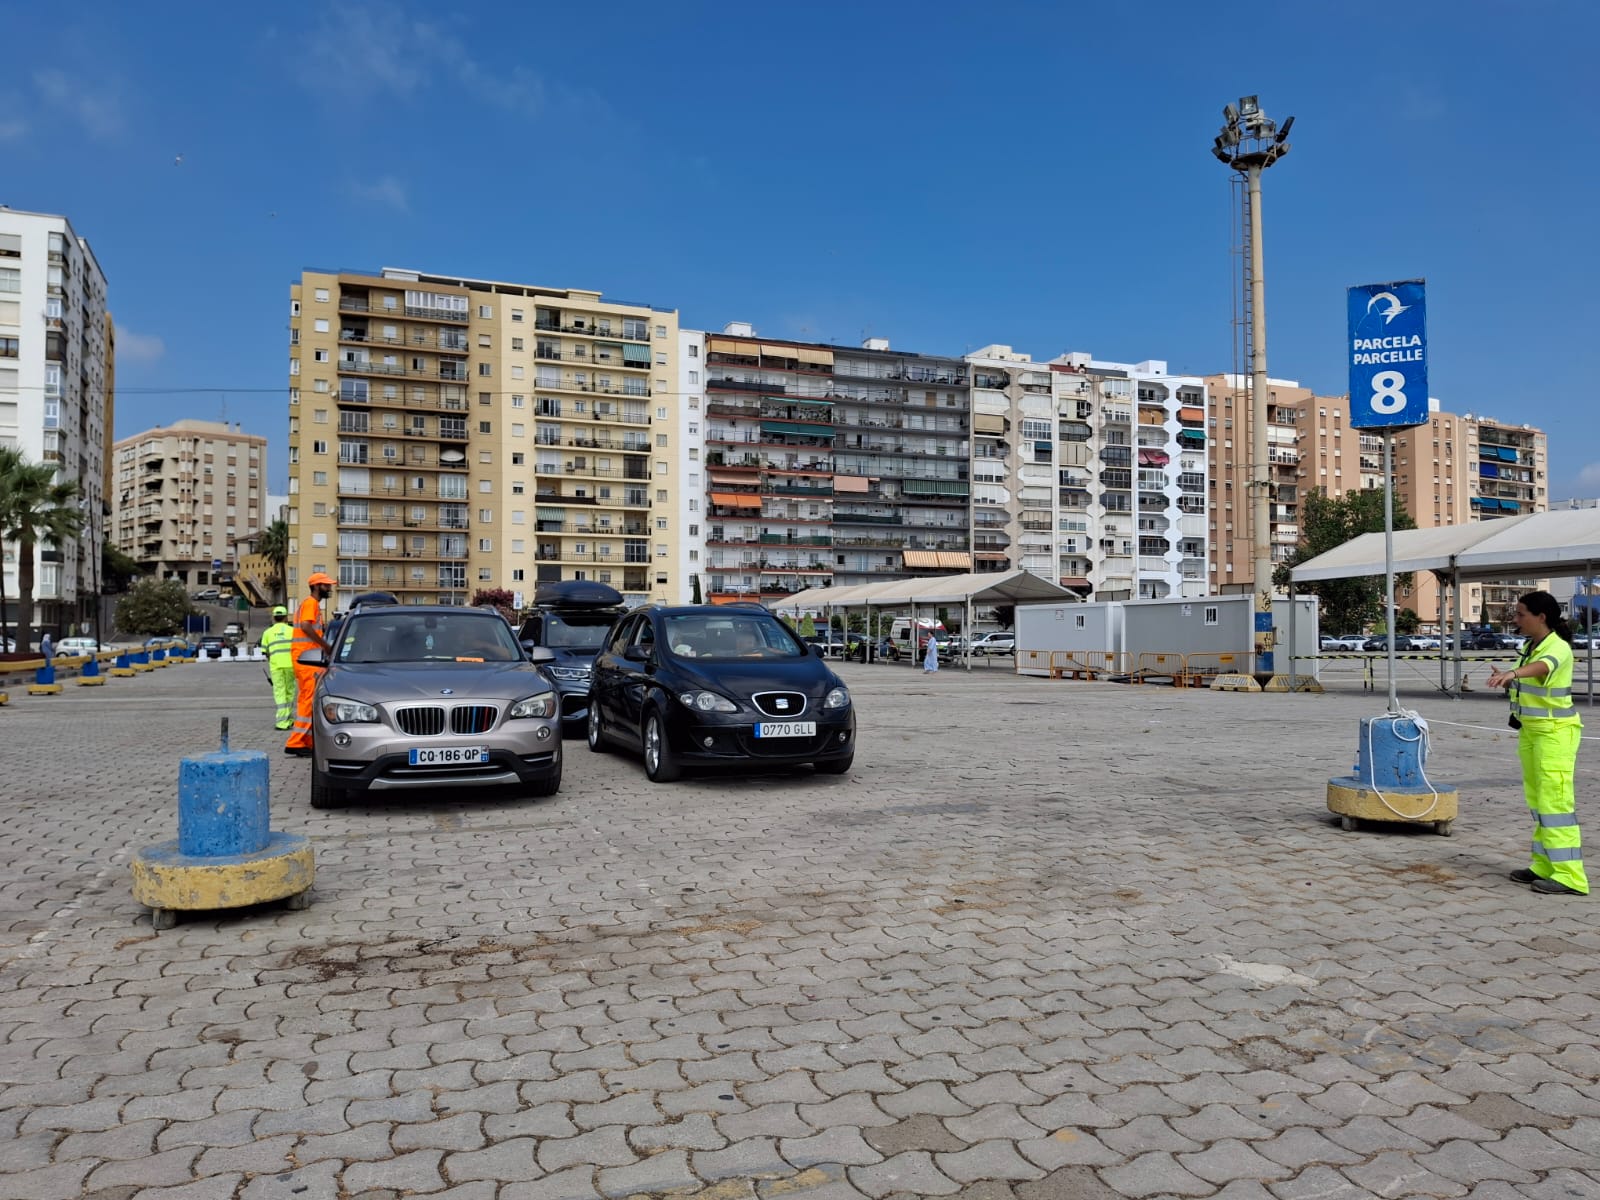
(307, 616)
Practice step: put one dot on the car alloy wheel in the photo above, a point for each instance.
(659, 766)
(596, 736)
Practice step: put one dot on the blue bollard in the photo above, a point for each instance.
(91, 668)
(159, 653)
(121, 662)
(1391, 754)
(1389, 782)
(222, 802)
(46, 674)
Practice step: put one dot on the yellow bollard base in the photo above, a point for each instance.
(168, 882)
(1235, 683)
(44, 689)
(123, 672)
(1356, 804)
(5, 697)
(141, 668)
(91, 681)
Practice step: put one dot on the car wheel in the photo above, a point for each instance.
(837, 766)
(323, 793)
(544, 787)
(659, 764)
(595, 735)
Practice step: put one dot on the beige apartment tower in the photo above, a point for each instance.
(184, 494)
(451, 435)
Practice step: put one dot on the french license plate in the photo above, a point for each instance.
(782, 729)
(448, 756)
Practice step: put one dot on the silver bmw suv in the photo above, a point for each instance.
(432, 697)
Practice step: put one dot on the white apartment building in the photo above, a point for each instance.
(56, 364)
(1089, 473)
(691, 564)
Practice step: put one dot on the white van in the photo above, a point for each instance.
(900, 635)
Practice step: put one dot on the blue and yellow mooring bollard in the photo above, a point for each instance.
(1389, 781)
(44, 681)
(225, 854)
(89, 674)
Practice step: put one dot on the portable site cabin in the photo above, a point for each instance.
(1202, 625)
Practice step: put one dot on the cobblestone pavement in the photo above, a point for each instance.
(1046, 940)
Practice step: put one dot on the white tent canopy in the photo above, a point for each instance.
(1547, 543)
(1000, 587)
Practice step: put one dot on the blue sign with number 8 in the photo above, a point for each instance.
(1388, 347)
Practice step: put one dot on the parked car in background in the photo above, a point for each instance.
(1402, 643)
(1424, 641)
(208, 594)
(233, 633)
(571, 619)
(1349, 642)
(76, 647)
(1002, 642)
(425, 696)
(212, 645)
(717, 686)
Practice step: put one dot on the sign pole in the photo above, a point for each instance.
(1388, 558)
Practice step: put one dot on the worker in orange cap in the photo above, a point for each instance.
(308, 635)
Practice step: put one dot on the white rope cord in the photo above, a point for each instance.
(1422, 736)
(1586, 737)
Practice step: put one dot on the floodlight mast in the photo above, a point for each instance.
(1249, 143)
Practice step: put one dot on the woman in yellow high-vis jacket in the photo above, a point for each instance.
(1540, 690)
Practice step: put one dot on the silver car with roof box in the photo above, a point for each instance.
(432, 697)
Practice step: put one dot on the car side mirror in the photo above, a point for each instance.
(816, 651)
(540, 654)
(637, 654)
(313, 658)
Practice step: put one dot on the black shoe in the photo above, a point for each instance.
(1523, 875)
(1550, 887)
(298, 751)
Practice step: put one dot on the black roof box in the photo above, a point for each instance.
(577, 593)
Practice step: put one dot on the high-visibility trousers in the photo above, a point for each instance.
(305, 682)
(283, 691)
(1549, 754)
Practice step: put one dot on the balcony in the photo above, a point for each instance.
(587, 471)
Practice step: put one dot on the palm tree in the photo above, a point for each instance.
(34, 507)
(273, 545)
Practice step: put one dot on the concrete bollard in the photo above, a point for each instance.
(225, 855)
(1389, 781)
(89, 674)
(122, 666)
(44, 681)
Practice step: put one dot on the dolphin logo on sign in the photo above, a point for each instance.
(1394, 309)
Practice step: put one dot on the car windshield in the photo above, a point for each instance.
(392, 635)
(576, 631)
(731, 635)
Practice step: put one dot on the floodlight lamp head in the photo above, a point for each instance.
(1249, 106)
(1230, 113)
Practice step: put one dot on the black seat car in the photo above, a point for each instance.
(709, 685)
(571, 619)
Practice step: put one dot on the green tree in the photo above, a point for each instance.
(154, 608)
(35, 507)
(694, 582)
(1005, 615)
(1325, 523)
(1406, 620)
(273, 545)
(117, 570)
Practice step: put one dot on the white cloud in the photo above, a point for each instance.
(364, 51)
(12, 126)
(1590, 475)
(98, 112)
(387, 192)
(138, 347)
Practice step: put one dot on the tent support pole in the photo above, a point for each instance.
(1293, 645)
(1444, 615)
(966, 631)
(1460, 630)
(1588, 627)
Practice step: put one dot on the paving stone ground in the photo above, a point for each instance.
(1047, 940)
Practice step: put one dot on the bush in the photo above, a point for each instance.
(154, 608)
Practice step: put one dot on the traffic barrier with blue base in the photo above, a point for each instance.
(225, 854)
(44, 681)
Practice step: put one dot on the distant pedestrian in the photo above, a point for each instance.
(46, 646)
(277, 643)
(930, 661)
(1549, 732)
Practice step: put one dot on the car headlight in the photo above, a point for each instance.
(707, 702)
(838, 698)
(571, 674)
(542, 705)
(336, 710)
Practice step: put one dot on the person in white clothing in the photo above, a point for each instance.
(930, 662)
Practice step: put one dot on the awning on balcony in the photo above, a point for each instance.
(794, 427)
(735, 500)
(717, 345)
(935, 487)
(1506, 453)
(729, 477)
(1191, 414)
(851, 483)
(811, 354)
(1076, 582)
(636, 356)
(988, 423)
(1491, 470)
(1153, 458)
(945, 560)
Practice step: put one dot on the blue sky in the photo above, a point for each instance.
(945, 175)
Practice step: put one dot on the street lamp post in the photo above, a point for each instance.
(1250, 143)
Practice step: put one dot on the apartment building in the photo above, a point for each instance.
(57, 349)
(831, 464)
(448, 435)
(1089, 473)
(185, 494)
